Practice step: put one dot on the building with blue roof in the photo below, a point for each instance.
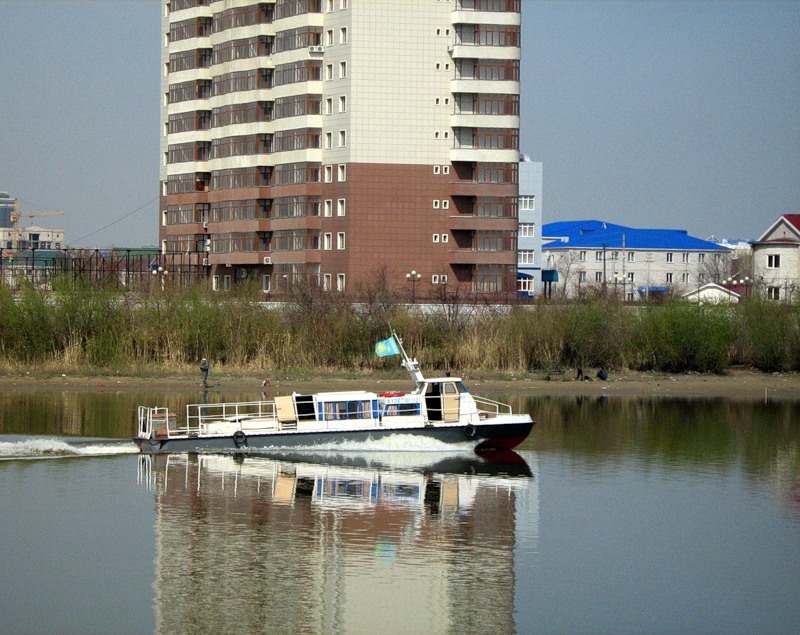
(590, 255)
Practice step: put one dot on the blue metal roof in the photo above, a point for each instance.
(592, 234)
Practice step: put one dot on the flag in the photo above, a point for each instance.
(386, 348)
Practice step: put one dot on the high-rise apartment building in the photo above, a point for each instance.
(342, 140)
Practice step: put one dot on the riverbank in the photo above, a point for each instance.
(736, 383)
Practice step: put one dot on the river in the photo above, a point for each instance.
(617, 515)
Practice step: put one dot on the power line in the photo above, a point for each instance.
(120, 219)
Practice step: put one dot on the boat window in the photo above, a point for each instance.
(401, 409)
(340, 410)
(461, 387)
(450, 389)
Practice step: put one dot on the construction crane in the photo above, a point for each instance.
(16, 215)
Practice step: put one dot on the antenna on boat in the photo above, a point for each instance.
(411, 365)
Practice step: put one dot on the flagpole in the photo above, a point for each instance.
(411, 365)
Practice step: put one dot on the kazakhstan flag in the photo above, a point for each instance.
(386, 348)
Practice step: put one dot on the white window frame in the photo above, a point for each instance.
(773, 261)
(341, 207)
(327, 241)
(342, 173)
(340, 241)
(327, 208)
(340, 281)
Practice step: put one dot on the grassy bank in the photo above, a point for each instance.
(92, 330)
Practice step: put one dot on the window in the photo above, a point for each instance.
(340, 240)
(342, 173)
(685, 277)
(582, 276)
(773, 261)
(773, 293)
(598, 276)
(436, 203)
(701, 278)
(329, 72)
(329, 37)
(631, 256)
(327, 241)
(226, 282)
(527, 202)
(328, 106)
(528, 230)
(340, 282)
(614, 256)
(701, 258)
(328, 208)
(631, 277)
(327, 281)
(342, 70)
(342, 138)
(445, 238)
(265, 283)
(215, 283)
(670, 257)
(685, 257)
(343, 35)
(445, 169)
(343, 103)
(328, 140)
(436, 169)
(525, 257)
(582, 256)
(598, 256)
(328, 174)
(340, 207)
(669, 277)
(436, 238)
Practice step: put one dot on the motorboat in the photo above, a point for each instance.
(436, 414)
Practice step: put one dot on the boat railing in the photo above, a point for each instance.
(488, 408)
(156, 422)
(199, 416)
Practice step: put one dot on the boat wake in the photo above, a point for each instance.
(48, 448)
(393, 443)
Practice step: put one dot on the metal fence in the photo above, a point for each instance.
(132, 269)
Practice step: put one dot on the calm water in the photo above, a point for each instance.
(616, 516)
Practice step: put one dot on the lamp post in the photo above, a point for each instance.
(413, 277)
(161, 273)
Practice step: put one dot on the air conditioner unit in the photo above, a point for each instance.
(316, 49)
(205, 262)
(267, 260)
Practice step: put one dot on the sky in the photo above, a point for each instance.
(674, 114)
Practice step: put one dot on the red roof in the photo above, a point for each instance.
(794, 219)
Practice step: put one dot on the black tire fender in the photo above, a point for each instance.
(239, 438)
(470, 431)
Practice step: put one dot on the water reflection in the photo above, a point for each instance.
(388, 543)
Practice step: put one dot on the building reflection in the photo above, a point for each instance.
(362, 544)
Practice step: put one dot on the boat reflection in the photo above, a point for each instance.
(331, 543)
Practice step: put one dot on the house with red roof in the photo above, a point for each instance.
(776, 259)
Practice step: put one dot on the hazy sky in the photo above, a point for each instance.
(676, 114)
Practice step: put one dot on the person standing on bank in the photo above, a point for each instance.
(204, 372)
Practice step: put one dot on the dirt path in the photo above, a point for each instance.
(735, 383)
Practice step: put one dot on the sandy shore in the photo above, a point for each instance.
(735, 383)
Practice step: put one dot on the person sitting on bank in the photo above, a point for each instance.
(204, 372)
(602, 374)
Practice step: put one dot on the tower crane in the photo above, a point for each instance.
(16, 215)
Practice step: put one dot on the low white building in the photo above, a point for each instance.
(32, 237)
(637, 264)
(776, 259)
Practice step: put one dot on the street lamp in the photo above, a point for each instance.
(413, 277)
